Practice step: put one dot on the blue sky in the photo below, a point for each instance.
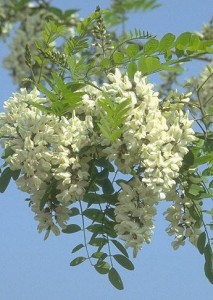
(32, 269)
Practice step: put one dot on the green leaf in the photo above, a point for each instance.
(118, 57)
(183, 41)
(166, 42)
(95, 228)
(120, 247)
(208, 263)
(105, 62)
(104, 163)
(148, 65)
(44, 199)
(151, 46)
(77, 261)
(193, 210)
(194, 43)
(93, 198)
(15, 174)
(77, 248)
(99, 255)
(102, 267)
(5, 179)
(50, 95)
(107, 187)
(124, 261)
(115, 279)
(208, 272)
(7, 152)
(71, 228)
(201, 242)
(110, 212)
(20, 4)
(93, 214)
(97, 242)
(74, 211)
(211, 184)
(189, 158)
(132, 69)
(132, 50)
(208, 253)
(102, 175)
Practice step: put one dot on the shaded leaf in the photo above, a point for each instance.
(71, 228)
(5, 179)
(77, 248)
(97, 242)
(124, 261)
(107, 187)
(208, 263)
(115, 279)
(74, 211)
(120, 247)
(77, 261)
(201, 242)
(103, 162)
(102, 267)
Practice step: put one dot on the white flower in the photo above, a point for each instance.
(134, 214)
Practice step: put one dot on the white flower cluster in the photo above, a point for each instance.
(134, 214)
(152, 138)
(182, 224)
(155, 137)
(45, 148)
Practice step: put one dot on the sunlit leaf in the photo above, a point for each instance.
(166, 42)
(151, 46)
(132, 50)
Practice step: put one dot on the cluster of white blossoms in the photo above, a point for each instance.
(152, 138)
(47, 150)
(182, 225)
(134, 214)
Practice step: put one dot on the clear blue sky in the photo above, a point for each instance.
(32, 269)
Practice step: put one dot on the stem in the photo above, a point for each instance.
(84, 233)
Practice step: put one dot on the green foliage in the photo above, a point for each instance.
(5, 179)
(113, 118)
(64, 96)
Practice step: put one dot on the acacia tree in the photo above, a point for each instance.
(94, 144)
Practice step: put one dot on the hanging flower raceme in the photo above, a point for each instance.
(47, 149)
